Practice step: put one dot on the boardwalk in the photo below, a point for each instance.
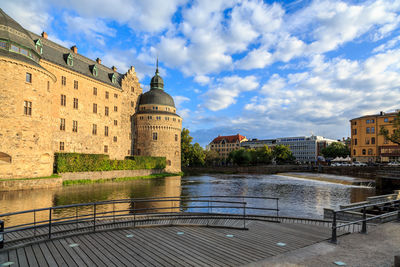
(169, 246)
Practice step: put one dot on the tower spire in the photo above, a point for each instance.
(157, 66)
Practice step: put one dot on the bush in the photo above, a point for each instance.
(76, 162)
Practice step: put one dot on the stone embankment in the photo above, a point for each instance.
(36, 183)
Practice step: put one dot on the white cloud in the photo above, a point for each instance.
(202, 79)
(179, 99)
(226, 91)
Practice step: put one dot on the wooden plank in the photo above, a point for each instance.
(88, 251)
(55, 254)
(12, 257)
(39, 255)
(65, 255)
(80, 253)
(72, 251)
(98, 253)
(30, 255)
(47, 254)
(3, 257)
(21, 257)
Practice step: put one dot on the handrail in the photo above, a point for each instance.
(105, 212)
(364, 219)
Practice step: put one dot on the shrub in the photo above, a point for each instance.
(76, 162)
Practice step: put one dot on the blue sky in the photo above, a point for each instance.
(264, 69)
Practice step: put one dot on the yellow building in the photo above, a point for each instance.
(367, 145)
(53, 99)
(226, 144)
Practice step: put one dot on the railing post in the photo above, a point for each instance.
(398, 211)
(134, 214)
(334, 236)
(50, 223)
(76, 217)
(364, 223)
(94, 217)
(34, 223)
(113, 212)
(209, 214)
(1, 234)
(277, 209)
(244, 215)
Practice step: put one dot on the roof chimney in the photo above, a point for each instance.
(74, 49)
(98, 60)
(114, 68)
(44, 35)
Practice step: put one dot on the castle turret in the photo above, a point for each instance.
(158, 127)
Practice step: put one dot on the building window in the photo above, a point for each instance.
(141, 117)
(105, 149)
(370, 151)
(167, 118)
(176, 137)
(367, 141)
(372, 129)
(94, 108)
(363, 152)
(28, 77)
(48, 86)
(354, 152)
(155, 136)
(107, 95)
(61, 146)
(75, 84)
(132, 89)
(158, 117)
(367, 130)
(75, 126)
(373, 140)
(354, 131)
(70, 60)
(386, 119)
(115, 95)
(75, 103)
(63, 100)
(115, 108)
(105, 130)
(94, 91)
(106, 111)
(372, 121)
(3, 44)
(39, 46)
(94, 129)
(63, 80)
(94, 70)
(115, 139)
(129, 152)
(367, 121)
(14, 48)
(114, 78)
(115, 122)
(62, 124)
(27, 108)
(149, 117)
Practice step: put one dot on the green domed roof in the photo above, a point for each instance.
(156, 95)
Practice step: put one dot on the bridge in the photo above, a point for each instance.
(171, 231)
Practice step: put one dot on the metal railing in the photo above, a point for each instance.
(86, 217)
(393, 204)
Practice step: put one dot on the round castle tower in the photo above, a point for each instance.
(158, 127)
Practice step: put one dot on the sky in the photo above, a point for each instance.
(264, 69)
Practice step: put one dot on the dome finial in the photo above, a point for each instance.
(157, 66)
(156, 82)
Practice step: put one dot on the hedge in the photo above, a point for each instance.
(76, 162)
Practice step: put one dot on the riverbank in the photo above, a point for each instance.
(74, 178)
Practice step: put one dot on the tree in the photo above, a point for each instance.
(211, 157)
(283, 154)
(240, 157)
(395, 135)
(197, 157)
(191, 155)
(336, 149)
(264, 155)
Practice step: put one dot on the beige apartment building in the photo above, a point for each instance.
(367, 145)
(53, 99)
(226, 144)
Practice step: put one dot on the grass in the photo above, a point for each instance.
(121, 179)
(55, 175)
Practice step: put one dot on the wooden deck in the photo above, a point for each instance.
(168, 246)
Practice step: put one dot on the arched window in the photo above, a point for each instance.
(5, 158)
(70, 60)
(363, 151)
(354, 152)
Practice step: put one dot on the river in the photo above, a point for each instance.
(300, 194)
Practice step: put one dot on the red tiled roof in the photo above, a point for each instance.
(229, 138)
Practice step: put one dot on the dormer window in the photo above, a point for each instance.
(39, 46)
(70, 60)
(94, 70)
(114, 78)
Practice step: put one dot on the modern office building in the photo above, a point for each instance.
(367, 144)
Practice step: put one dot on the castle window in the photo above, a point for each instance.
(3, 44)
(48, 86)
(114, 78)
(62, 124)
(107, 95)
(75, 84)
(94, 71)
(132, 89)
(115, 108)
(149, 117)
(39, 46)
(132, 104)
(105, 149)
(63, 100)
(94, 91)
(63, 80)
(115, 139)
(115, 122)
(61, 146)
(167, 118)
(14, 48)
(94, 129)
(155, 136)
(28, 77)
(115, 95)
(105, 130)
(75, 126)
(106, 111)
(27, 108)
(141, 117)
(158, 117)
(168, 162)
(129, 152)
(75, 103)
(24, 52)
(174, 119)
(70, 60)
(94, 108)
(176, 137)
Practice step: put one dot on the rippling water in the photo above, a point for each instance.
(297, 196)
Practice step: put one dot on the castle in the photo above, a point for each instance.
(53, 99)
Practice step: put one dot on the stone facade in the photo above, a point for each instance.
(53, 99)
